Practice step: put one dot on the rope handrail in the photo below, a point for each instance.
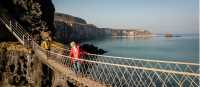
(148, 60)
(115, 57)
(127, 66)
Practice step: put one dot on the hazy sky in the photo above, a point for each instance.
(158, 16)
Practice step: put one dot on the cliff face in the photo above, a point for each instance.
(69, 28)
(31, 14)
(68, 18)
(5, 35)
(20, 67)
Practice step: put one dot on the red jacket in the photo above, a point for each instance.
(74, 53)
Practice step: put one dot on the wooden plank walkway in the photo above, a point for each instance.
(70, 75)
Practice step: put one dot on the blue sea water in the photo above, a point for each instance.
(184, 48)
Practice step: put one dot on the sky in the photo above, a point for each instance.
(157, 16)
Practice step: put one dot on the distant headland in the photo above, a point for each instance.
(70, 28)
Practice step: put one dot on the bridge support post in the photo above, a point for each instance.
(16, 24)
(33, 44)
(10, 24)
(23, 40)
(28, 42)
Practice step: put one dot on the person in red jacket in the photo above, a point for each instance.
(75, 56)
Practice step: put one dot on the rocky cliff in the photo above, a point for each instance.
(33, 15)
(5, 35)
(68, 18)
(20, 67)
(70, 28)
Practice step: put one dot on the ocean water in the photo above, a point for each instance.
(184, 48)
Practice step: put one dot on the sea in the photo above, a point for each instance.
(181, 48)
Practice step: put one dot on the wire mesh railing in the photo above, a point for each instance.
(128, 75)
(158, 64)
(120, 71)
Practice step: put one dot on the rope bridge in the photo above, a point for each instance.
(118, 71)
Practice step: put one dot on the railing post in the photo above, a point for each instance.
(28, 42)
(10, 24)
(23, 40)
(33, 46)
(15, 24)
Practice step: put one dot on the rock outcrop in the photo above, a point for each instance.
(5, 35)
(33, 15)
(19, 67)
